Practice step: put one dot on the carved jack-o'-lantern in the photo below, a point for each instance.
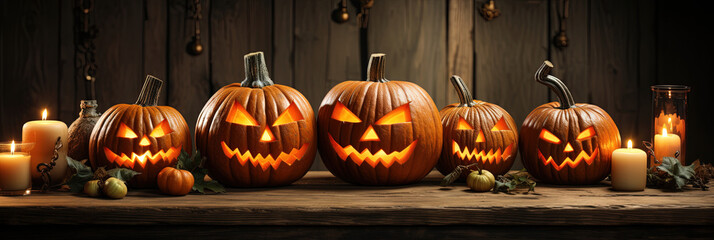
(379, 132)
(567, 143)
(257, 133)
(477, 131)
(143, 137)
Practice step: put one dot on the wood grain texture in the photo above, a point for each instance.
(188, 83)
(239, 27)
(572, 62)
(614, 56)
(413, 35)
(155, 42)
(460, 44)
(509, 50)
(28, 64)
(119, 53)
(69, 93)
(283, 32)
(321, 199)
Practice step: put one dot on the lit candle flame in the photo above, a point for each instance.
(664, 132)
(44, 114)
(629, 144)
(12, 147)
(669, 93)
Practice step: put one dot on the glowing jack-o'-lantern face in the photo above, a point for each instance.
(573, 158)
(238, 115)
(143, 137)
(477, 132)
(257, 133)
(379, 132)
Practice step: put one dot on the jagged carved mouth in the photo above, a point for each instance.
(265, 161)
(129, 162)
(567, 161)
(373, 158)
(482, 156)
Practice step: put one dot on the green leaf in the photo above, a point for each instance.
(189, 163)
(83, 173)
(200, 185)
(122, 173)
(680, 174)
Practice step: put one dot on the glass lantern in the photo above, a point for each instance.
(669, 114)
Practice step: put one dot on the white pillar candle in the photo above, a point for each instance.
(44, 134)
(665, 145)
(14, 172)
(629, 169)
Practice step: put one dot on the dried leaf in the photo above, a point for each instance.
(193, 165)
(122, 173)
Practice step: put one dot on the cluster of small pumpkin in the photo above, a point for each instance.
(374, 132)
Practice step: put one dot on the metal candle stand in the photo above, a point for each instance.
(45, 168)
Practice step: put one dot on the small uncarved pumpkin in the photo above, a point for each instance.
(143, 137)
(175, 181)
(564, 142)
(379, 132)
(480, 180)
(477, 132)
(256, 133)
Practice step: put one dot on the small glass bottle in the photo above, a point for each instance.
(669, 114)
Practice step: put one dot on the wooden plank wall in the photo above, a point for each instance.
(617, 49)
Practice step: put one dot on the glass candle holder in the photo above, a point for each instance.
(15, 169)
(669, 114)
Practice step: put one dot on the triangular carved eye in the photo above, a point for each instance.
(586, 134)
(291, 114)
(162, 129)
(500, 125)
(398, 115)
(463, 125)
(342, 113)
(239, 115)
(549, 137)
(125, 132)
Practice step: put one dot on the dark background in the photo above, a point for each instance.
(618, 49)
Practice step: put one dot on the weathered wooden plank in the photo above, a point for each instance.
(460, 44)
(413, 35)
(614, 55)
(571, 62)
(239, 27)
(647, 71)
(119, 54)
(283, 33)
(508, 51)
(188, 80)
(28, 64)
(155, 42)
(321, 199)
(69, 95)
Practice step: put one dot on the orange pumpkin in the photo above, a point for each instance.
(257, 133)
(477, 131)
(143, 137)
(564, 142)
(379, 132)
(175, 181)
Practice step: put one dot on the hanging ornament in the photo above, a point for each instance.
(86, 70)
(195, 47)
(340, 15)
(489, 11)
(561, 39)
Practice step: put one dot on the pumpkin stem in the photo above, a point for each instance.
(543, 76)
(149, 95)
(375, 69)
(256, 73)
(463, 92)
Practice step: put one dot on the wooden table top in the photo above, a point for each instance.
(321, 199)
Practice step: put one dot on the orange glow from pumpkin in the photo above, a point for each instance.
(125, 132)
(463, 125)
(291, 114)
(341, 113)
(482, 156)
(480, 137)
(369, 135)
(398, 115)
(147, 157)
(144, 141)
(373, 159)
(587, 133)
(160, 130)
(582, 157)
(267, 135)
(549, 137)
(267, 161)
(500, 125)
(239, 115)
(568, 148)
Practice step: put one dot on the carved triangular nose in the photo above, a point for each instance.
(568, 148)
(369, 135)
(144, 141)
(267, 135)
